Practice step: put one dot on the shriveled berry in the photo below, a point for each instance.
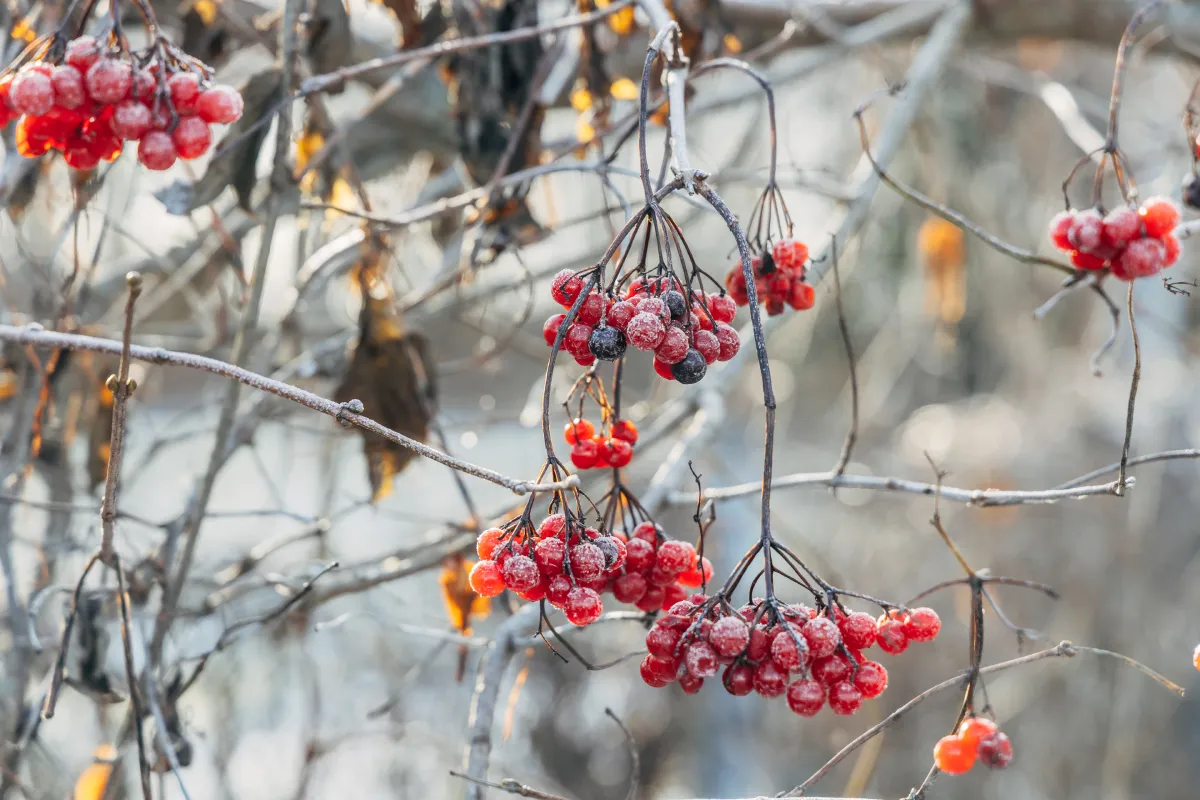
(578, 429)
(488, 541)
(68, 86)
(220, 105)
(624, 430)
(552, 525)
(831, 669)
(130, 120)
(549, 554)
(890, 636)
(701, 660)
(31, 93)
(690, 369)
(729, 636)
(645, 331)
(584, 454)
(769, 679)
(822, 636)
(995, 751)
(845, 698)
(551, 327)
(565, 287)
(738, 679)
(973, 730)
(1159, 216)
(629, 588)
(82, 52)
(192, 138)
(953, 756)
(520, 573)
(789, 648)
(729, 340)
(156, 151)
(922, 625)
(607, 343)
(108, 81)
(871, 679)
(485, 578)
(583, 606)
(1060, 230)
(858, 630)
(557, 590)
(806, 697)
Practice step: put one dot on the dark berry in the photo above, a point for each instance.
(613, 551)
(676, 304)
(691, 369)
(1191, 190)
(607, 343)
(995, 751)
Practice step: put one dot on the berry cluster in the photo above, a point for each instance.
(654, 316)
(571, 566)
(1130, 242)
(808, 658)
(978, 739)
(92, 101)
(778, 279)
(590, 449)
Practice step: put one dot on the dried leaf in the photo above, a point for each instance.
(23, 30)
(624, 89)
(732, 43)
(409, 17)
(8, 384)
(390, 373)
(206, 10)
(623, 22)
(581, 99)
(239, 149)
(943, 254)
(329, 45)
(203, 36)
(462, 604)
(93, 781)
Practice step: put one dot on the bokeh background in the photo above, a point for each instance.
(951, 365)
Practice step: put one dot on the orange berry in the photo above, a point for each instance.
(974, 729)
(487, 542)
(486, 579)
(1196, 657)
(953, 756)
(578, 429)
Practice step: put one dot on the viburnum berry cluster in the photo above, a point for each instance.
(656, 316)
(977, 739)
(608, 448)
(88, 98)
(778, 279)
(1129, 242)
(809, 658)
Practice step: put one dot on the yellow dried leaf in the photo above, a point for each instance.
(342, 194)
(624, 89)
(622, 22)
(8, 384)
(206, 10)
(93, 781)
(943, 255)
(308, 146)
(581, 99)
(23, 30)
(732, 43)
(584, 132)
(462, 604)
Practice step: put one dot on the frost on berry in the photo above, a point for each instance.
(557, 590)
(675, 556)
(645, 331)
(614, 552)
(548, 554)
(485, 578)
(769, 679)
(108, 80)
(690, 683)
(673, 347)
(191, 137)
(729, 636)
(583, 606)
(922, 625)
(890, 636)
(1141, 259)
(995, 751)
(220, 105)
(871, 679)
(1087, 230)
(690, 369)
(82, 52)
(639, 555)
(488, 541)
(789, 648)
(831, 669)
(953, 756)
(1121, 226)
(1060, 230)
(822, 636)
(156, 151)
(592, 309)
(661, 641)
(975, 729)
(658, 672)
(760, 644)
(652, 599)
(701, 660)
(68, 86)
(845, 698)
(577, 341)
(31, 93)
(806, 697)
(552, 525)
(1159, 216)
(629, 588)
(565, 287)
(858, 630)
(130, 120)
(607, 343)
(729, 341)
(587, 561)
(184, 91)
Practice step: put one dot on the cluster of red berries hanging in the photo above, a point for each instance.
(570, 566)
(1130, 242)
(809, 659)
(611, 448)
(653, 316)
(978, 739)
(778, 279)
(89, 100)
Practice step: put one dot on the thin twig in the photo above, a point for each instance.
(635, 766)
(1133, 387)
(839, 468)
(510, 786)
(121, 388)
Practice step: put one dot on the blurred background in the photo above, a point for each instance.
(364, 688)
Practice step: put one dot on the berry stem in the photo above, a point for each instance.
(1133, 387)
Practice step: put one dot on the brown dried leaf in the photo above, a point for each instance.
(329, 44)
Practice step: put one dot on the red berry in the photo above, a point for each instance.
(576, 342)
(654, 669)
(953, 756)
(1087, 232)
(130, 120)
(68, 86)
(673, 347)
(871, 679)
(789, 254)
(1060, 230)
(661, 641)
(156, 151)
(805, 697)
(620, 453)
(145, 84)
(33, 136)
(784, 649)
(578, 428)
(629, 588)
(692, 577)
(1159, 216)
(690, 684)
(831, 669)
(701, 660)
(83, 52)
(1087, 260)
(890, 636)
(675, 556)
(651, 600)
(663, 370)
(1171, 246)
(583, 606)
(738, 679)
(80, 156)
(639, 556)
(520, 573)
(585, 454)
(1121, 226)
(552, 525)
(822, 636)
(624, 430)
(729, 340)
(995, 751)
(620, 313)
(557, 590)
(587, 561)
(672, 594)
(707, 344)
(858, 630)
(488, 541)
(922, 625)
(722, 307)
(653, 306)
(184, 89)
(551, 327)
(549, 554)
(769, 680)
(191, 137)
(219, 105)
(508, 550)
(845, 698)
(31, 93)
(729, 636)
(536, 593)
(108, 81)
(974, 729)
(591, 310)
(648, 531)
(565, 287)
(645, 331)
(802, 296)
(486, 579)
(1141, 259)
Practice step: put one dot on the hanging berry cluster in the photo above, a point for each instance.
(612, 448)
(978, 739)
(809, 659)
(653, 316)
(88, 98)
(1130, 242)
(778, 279)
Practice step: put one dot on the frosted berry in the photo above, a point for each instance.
(587, 561)
(831, 669)
(565, 287)
(1159, 216)
(973, 730)
(583, 606)
(614, 551)
(1171, 248)
(676, 305)
(729, 340)
(552, 525)
(700, 660)
(578, 429)
(769, 680)
(620, 313)
(620, 453)
(871, 679)
(995, 751)
(729, 636)
(690, 684)
(784, 649)
(156, 151)
(697, 575)
(789, 254)
(639, 555)
(654, 671)
(520, 573)
(629, 588)
(675, 556)
(802, 296)
(184, 90)
(192, 138)
(488, 541)
(673, 347)
(890, 636)
(219, 105)
(722, 307)
(585, 454)
(645, 331)
(557, 590)
(624, 430)
(1121, 226)
(551, 327)
(822, 636)
(607, 343)
(68, 86)
(592, 309)
(806, 697)
(1087, 231)
(707, 344)
(845, 698)
(858, 630)
(130, 120)
(648, 531)
(672, 594)
(577, 340)
(661, 641)
(108, 81)
(548, 554)
(690, 369)
(651, 600)
(738, 679)
(922, 625)
(485, 578)
(31, 93)
(82, 52)
(1142, 258)
(953, 756)
(1060, 230)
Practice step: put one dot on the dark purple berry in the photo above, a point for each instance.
(691, 368)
